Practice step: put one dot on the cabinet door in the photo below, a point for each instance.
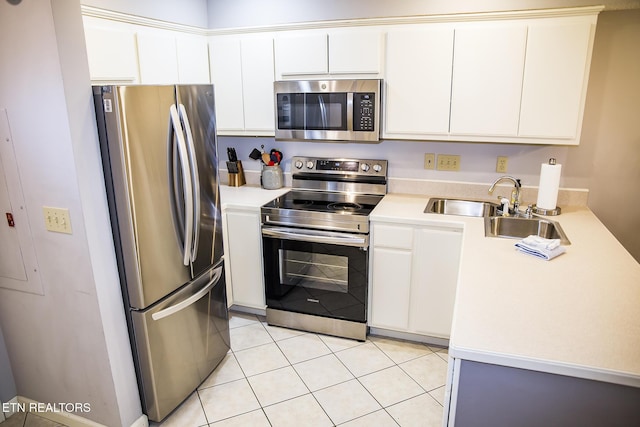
(355, 52)
(226, 76)
(245, 258)
(193, 60)
(487, 79)
(300, 54)
(434, 281)
(418, 81)
(391, 279)
(111, 54)
(257, 78)
(555, 79)
(157, 58)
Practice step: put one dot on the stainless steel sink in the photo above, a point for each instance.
(461, 207)
(519, 228)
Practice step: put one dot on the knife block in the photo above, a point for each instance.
(237, 179)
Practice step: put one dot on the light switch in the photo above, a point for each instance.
(448, 162)
(57, 219)
(429, 161)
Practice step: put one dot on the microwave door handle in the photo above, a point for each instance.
(323, 111)
(195, 181)
(350, 111)
(186, 183)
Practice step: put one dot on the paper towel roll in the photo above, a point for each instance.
(549, 185)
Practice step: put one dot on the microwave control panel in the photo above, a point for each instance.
(364, 112)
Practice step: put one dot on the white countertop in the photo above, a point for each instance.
(577, 315)
(248, 196)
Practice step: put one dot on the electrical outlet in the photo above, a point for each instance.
(57, 219)
(501, 164)
(448, 162)
(429, 161)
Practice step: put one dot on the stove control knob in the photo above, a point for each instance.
(298, 164)
(377, 167)
(309, 164)
(365, 167)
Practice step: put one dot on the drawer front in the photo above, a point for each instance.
(392, 236)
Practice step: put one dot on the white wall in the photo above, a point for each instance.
(250, 13)
(186, 12)
(7, 384)
(406, 158)
(611, 127)
(70, 344)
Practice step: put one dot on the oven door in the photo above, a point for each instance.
(316, 272)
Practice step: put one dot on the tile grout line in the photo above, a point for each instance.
(335, 354)
(246, 378)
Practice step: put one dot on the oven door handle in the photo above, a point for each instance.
(315, 236)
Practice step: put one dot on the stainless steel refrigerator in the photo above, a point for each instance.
(159, 156)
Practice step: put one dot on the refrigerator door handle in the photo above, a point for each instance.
(166, 312)
(195, 182)
(186, 181)
(177, 210)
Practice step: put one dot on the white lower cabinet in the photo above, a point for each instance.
(391, 288)
(243, 258)
(413, 278)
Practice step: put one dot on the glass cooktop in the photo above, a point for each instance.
(326, 202)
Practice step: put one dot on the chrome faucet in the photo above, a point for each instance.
(516, 193)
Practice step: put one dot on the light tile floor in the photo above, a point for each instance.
(282, 377)
(22, 419)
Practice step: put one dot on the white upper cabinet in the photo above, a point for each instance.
(193, 60)
(301, 53)
(157, 58)
(258, 77)
(320, 53)
(554, 85)
(355, 52)
(510, 77)
(488, 63)
(226, 76)
(418, 81)
(111, 53)
(165, 57)
(520, 80)
(242, 74)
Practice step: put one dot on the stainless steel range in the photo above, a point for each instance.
(316, 245)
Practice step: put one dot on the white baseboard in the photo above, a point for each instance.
(407, 336)
(66, 418)
(11, 406)
(143, 421)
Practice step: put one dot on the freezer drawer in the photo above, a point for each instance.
(180, 341)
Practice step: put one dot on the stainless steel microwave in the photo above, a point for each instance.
(328, 110)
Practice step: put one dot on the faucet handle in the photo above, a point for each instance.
(529, 211)
(505, 206)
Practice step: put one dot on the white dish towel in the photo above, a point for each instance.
(540, 247)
